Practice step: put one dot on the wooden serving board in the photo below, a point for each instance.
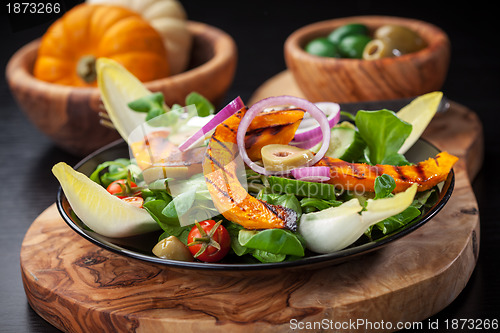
(79, 287)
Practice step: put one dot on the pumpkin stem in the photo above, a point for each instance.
(86, 68)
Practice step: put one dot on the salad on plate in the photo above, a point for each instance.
(275, 181)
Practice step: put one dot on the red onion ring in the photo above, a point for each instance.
(282, 100)
(230, 109)
(311, 137)
(312, 174)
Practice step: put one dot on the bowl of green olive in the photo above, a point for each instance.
(367, 58)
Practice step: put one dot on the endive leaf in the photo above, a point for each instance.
(336, 228)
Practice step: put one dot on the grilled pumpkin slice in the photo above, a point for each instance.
(220, 169)
(356, 176)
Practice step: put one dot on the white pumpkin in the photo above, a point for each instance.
(169, 18)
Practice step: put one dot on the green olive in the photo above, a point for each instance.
(321, 47)
(352, 46)
(278, 157)
(377, 49)
(172, 248)
(346, 30)
(402, 39)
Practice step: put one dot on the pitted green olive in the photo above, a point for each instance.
(278, 157)
(402, 39)
(377, 49)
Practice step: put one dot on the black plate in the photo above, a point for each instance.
(139, 247)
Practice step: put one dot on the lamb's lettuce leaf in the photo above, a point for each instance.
(277, 241)
(397, 221)
(384, 185)
(107, 172)
(270, 245)
(203, 105)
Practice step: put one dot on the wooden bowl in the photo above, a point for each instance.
(69, 115)
(353, 80)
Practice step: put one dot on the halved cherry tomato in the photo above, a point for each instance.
(122, 188)
(209, 241)
(136, 201)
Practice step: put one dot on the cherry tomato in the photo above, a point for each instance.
(136, 201)
(119, 188)
(209, 241)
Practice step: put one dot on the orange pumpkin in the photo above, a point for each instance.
(71, 45)
(353, 176)
(219, 167)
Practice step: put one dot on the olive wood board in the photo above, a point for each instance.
(79, 287)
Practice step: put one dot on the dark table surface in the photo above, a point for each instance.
(260, 29)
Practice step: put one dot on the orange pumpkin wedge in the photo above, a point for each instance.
(220, 169)
(72, 44)
(361, 177)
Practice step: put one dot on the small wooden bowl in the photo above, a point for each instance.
(70, 115)
(353, 80)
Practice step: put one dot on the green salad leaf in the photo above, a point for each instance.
(233, 229)
(155, 208)
(384, 185)
(107, 172)
(264, 256)
(270, 245)
(397, 221)
(152, 104)
(301, 188)
(180, 204)
(396, 159)
(309, 205)
(285, 200)
(203, 105)
(384, 134)
(180, 232)
(277, 241)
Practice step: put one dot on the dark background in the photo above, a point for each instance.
(259, 29)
